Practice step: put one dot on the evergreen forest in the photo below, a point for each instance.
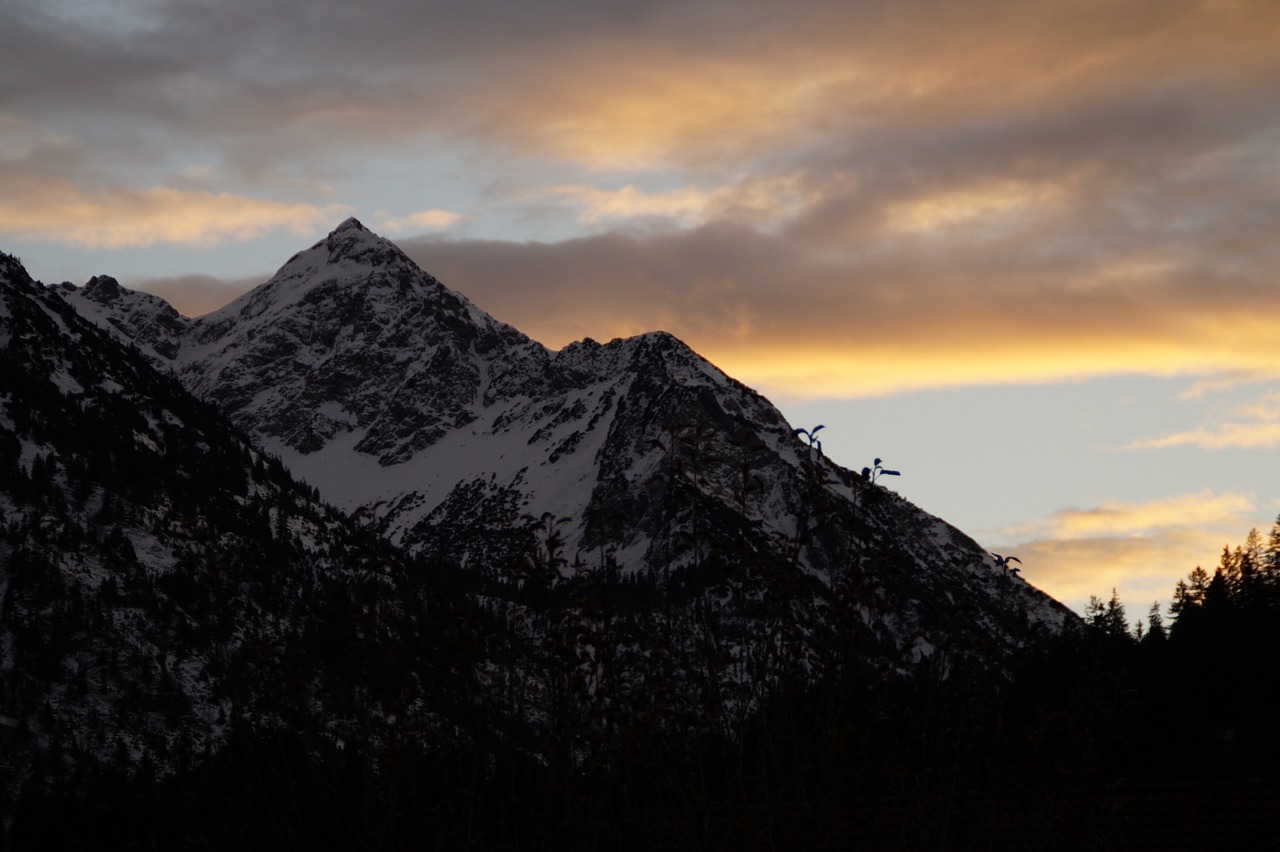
(1156, 733)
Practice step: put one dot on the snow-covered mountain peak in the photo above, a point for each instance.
(351, 225)
(351, 337)
(143, 319)
(448, 431)
(663, 350)
(653, 353)
(353, 243)
(350, 265)
(103, 289)
(352, 239)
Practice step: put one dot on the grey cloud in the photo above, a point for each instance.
(194, 295)
(704, 282)
(1159, 141)
(258, 81)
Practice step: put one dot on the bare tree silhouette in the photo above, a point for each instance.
(811, 436)
(1003, 563)
(878, 471)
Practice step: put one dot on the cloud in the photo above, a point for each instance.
(1140, 549)
(766, 202)
(596, 206)
(648, 85)
(193, 295)
(1252, 426)
(1214, 384)
(642, 85)
(1242, 435)
(831, 199)
(804, 323)
(423, 220)
(122, 217)
(1138, 519)
(998, 204)
(696, 89)
(1141, 570)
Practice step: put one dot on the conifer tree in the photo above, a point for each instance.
(1114, 621)
(1094, 611)
(1229, 568)
(1182, 601)
(1253, 548)
(1249, 558)
(1270, 569)
(1197, 585)
(1217, 595)
(1155, 624)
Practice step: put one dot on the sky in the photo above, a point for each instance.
(1025, 252)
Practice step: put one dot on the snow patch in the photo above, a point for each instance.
(63, 381)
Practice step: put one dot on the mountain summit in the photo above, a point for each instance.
(351, 336)
(456, 436)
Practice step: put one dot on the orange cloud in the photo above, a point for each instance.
(600, 205)
(1242, 435)
(632, 110)
(1140, 519)
(1001, 203)
(763, 200)
(1258, 427)
(801, 323)
(126, 217)
(700, 91)
(966, 346)
(1141, 570)
(1140, 549)
(876, 198)
(423, 220)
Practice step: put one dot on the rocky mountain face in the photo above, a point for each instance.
(549, 566)
(454, 435)
(164, 583)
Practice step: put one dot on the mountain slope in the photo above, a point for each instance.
(455, 435)
(629, 569)
(164, 584)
